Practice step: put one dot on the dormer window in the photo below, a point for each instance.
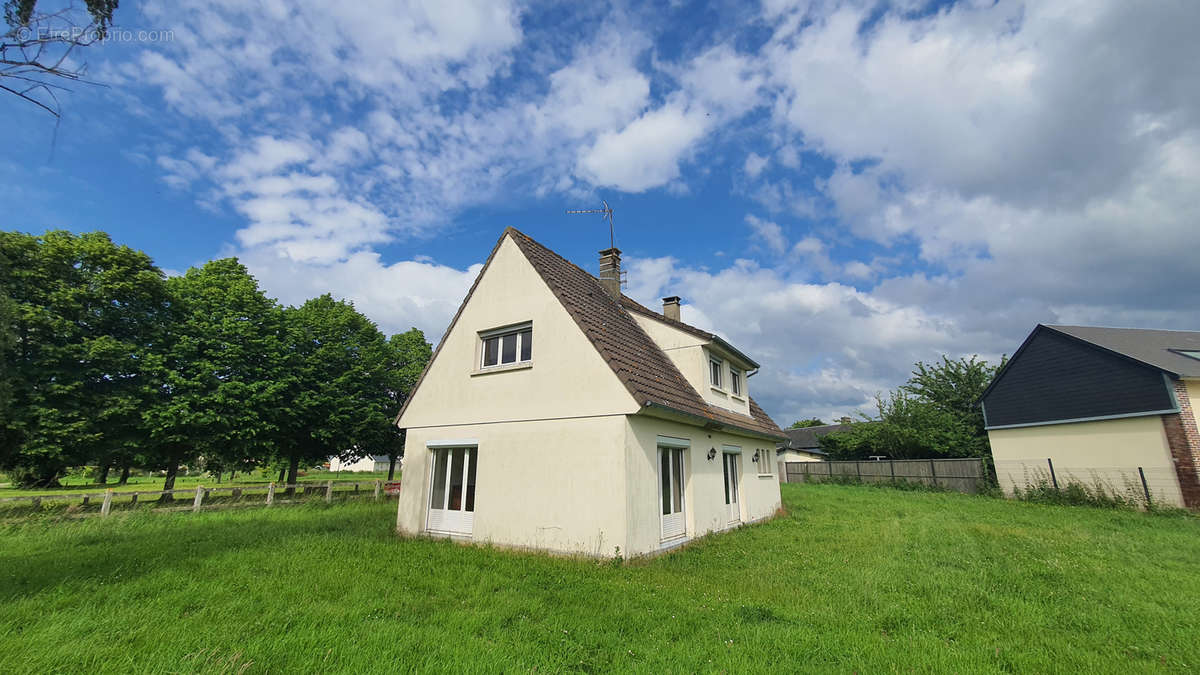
(506, 346)
(735, 382)
(714, 372)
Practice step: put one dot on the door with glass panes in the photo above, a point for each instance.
(731, 486)
(670, 473)
(452, 491)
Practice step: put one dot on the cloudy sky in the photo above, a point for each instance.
(839, 188)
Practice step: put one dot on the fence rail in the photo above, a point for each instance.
(961, 475)
(241, 495)
(1148, 485)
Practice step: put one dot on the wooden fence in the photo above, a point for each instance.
(961, 475)
(103, 503)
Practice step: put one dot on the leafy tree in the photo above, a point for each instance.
(933, 415)
(409, 354)
(223, 371)
(36, 48)
(810, 422)
(86, 313)
(337, 400)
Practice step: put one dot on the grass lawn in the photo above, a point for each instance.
(84, 485)
(852, 579)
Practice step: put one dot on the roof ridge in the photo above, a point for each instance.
(1157, 330)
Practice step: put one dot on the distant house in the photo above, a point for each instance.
(803, 444)
(558, 414)
(1096, 404)
(370, 463)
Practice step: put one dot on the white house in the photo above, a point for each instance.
(373, 463)
(558, 414)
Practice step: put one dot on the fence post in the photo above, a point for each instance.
(133, 499)
(106, 507)
(236, 494)
(1053, 478)
(271, 493)
(892, 462)
(328, 491)
(1145, 488)
(933, 471)
(378, 484)
(858, 468)
(199, 498)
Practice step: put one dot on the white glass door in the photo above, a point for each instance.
(731, 487)
(452, 491)
(670, 470)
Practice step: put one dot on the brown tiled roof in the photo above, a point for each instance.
(646, 371)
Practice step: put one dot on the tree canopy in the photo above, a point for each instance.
(934, 414)
(810, 422)
(106, 362)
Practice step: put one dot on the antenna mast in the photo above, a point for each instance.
(607, 213)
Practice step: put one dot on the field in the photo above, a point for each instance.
(79, 484)
(852, 579)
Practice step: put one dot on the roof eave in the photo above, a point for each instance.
(713, 424)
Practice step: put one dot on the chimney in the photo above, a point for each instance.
(610, 271)
(671, 307)
(845, 420)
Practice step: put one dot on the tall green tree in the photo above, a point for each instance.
(223, 371)
(337, 399)
(409, 353)
(86, 316)
(932, 415)
(810, 422)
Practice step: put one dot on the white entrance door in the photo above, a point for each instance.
(452, 491)
(731, 487)
(670, 470)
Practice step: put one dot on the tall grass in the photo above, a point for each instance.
(851, 579)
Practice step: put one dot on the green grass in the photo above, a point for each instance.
(79, 484)
(852, 579)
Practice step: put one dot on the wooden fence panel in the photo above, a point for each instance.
(960, 475)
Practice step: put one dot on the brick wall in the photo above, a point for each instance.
(1183, 437)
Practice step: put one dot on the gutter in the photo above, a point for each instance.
(713, 424)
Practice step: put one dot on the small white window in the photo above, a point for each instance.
(507, 346)
(735, 381)
(714, 372)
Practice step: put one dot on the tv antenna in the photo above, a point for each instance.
(606, 212)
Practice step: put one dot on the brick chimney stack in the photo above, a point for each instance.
(610, 271)
(671, 307)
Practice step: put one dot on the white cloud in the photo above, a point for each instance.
(754, 164)
(769, 233)
(646, 153)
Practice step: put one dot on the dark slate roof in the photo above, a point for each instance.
(645, 370)
(1152, 347)
(805, 438)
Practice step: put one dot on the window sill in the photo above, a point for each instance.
(508, 367)
(718, 390)
(737, 397)
(766, 475)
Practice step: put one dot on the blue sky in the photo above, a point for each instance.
(839, 188)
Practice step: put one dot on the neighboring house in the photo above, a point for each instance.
(1097, 404)
(374, 463)
(803, 444)
(558, 414)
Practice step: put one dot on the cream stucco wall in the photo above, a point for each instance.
(798, 456)
(554, 485)
(1109, 450)
(704, 492)
(454, 391)
(690, 355)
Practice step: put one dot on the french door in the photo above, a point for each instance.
(670, 469)
(452, 491)
(731, 487)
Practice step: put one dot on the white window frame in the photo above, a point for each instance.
(720, 371)
(735, 382)
(500, 333)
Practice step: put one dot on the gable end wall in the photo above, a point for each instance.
(1056, 378)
